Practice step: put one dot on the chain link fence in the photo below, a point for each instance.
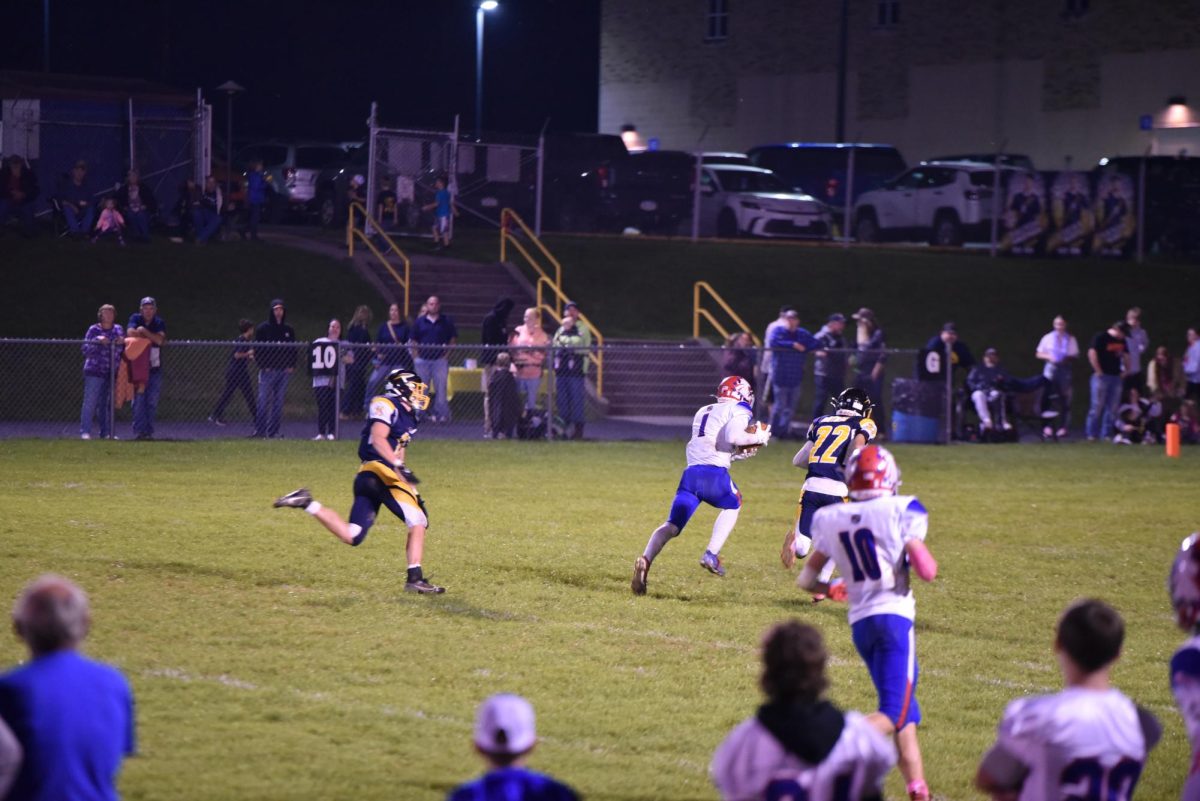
(320, 390)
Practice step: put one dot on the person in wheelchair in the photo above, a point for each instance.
(992, 388)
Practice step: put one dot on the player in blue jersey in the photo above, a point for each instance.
(1184, 586)
(830, 441)
(720, 434)
(383, 479)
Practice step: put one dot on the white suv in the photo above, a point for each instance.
(944, 202)
(750, 201)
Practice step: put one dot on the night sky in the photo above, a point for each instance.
(313, 67)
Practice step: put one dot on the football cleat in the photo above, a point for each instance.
(423, 587)
(788, 554)
(298, 499)
(712, 563)
(837, 590)
(640, 568)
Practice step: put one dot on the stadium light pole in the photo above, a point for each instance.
(481, 9)
(230, 88)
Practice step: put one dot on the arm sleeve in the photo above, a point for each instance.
(735, 431)
(801, 457)
(914, 522)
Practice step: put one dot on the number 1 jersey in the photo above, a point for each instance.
(866, 539)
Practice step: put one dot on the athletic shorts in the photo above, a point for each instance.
(887, 644)
(378, 485)
(703, 483)
(810, 502)
(441, 224)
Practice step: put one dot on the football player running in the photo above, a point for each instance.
(1088, 741)
(1184, 585)
(719, 436)
(875, 539)
(799, 745)
(383, 479)
(831, 439)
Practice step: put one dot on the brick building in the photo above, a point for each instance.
(1055, 79)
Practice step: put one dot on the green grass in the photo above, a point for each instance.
(272, 662)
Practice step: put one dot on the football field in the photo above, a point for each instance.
(270, 661)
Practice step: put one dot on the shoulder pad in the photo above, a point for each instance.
(916, 507)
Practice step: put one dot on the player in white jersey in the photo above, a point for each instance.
(798, 745)
(874, 540)
(719, 436)
(1088, 741)
(1184, 586)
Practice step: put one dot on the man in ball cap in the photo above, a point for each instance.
(504, 736)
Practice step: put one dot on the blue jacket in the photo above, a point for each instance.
(788, 363)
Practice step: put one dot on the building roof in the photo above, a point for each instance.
(16, 85)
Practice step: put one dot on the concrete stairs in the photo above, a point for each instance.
(468, 290)
(644, 378)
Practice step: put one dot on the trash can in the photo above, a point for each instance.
(917, 409)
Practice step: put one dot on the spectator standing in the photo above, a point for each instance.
(493, 336)
(256, 197)
(328, 372)
(358, 360)
(767, 362)
(237, 375)
(529, 341)
(1137, 342)
(829, 366)
(791, 345)
(869, 362)
(503, 400)
(739, 357)
(137, 205)
(1109, 361)
(207, 217)
(75, 198)
(1059, 349)
(443, 207)
(18, 190)
(572, 343)
(1191, 366)
(391, 349)
(798, 738)
(275, 366)
(73, 717)
(104, 341)
(1070, 738)
(959, 353)
(431, 332)
(146, 324)
(505, 735)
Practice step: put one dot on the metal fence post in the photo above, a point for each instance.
(541, 172)
(696, 197)
(995, 202)
(849, 198)
(1141, 209)
(949, 368)
(110, 410)
(337, 393)
(369, 229)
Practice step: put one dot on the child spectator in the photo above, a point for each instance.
(1189, 422)
(504, 402)
(442, 207)
(110, 223)
(386, 205)
(1139, 419)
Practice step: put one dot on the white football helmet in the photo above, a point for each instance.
(1183, 583)
(736, 388)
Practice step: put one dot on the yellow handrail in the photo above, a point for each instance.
(354, 232)
(508, 216)
(597, 357)
(698, 311)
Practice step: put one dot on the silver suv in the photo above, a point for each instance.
(944, 202)
(293, 171)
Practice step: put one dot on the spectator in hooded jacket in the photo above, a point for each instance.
(18, 190)
(493, 335)
(276, 363)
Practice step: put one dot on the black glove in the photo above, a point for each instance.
(407, 475)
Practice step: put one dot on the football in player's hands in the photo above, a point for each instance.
(761, 431)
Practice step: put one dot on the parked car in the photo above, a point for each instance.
(292, 172)
(333, 184)
(820, 169)
(750, 201)
(1172, 203)
(740, 159)
(942, 202)
(653, 190)
(577, 180)
(1017, 160)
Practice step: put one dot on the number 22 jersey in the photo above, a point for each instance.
(831, 436)
(866, 539)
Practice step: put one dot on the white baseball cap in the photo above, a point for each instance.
(505, 725)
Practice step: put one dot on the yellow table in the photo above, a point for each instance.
(470, 379)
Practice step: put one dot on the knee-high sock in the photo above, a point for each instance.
(826, 571)
(722, 528)
(658, 539)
